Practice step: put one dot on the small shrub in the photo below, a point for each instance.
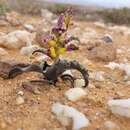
(3, 8)
(58, 8)
(117, 16)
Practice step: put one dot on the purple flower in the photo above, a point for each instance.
(72, 38)
(59, 31)
(69, 49)
(60, 23)
(46, 38)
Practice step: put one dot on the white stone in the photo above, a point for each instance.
(79, 119)
(100, 24)
(112, 65)
(28, 50)
(120, 107)
(16, 39)
(119, 93)
(75, 94)
(19, 100)
(122, 66)
(125, 67)
(79, 83)
(98, 76)
(29, 27)
(109, 125)
(21, 93)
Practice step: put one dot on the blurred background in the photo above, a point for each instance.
(117, 12)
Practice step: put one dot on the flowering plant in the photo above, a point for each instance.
(58, 39)
(59, 43)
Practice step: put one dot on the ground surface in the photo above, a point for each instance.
(35, 113)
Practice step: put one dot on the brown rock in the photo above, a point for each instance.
(102, 51)
(92, 44)
(13, 18)
(3, 23)
(35, 87)
(5, 67)
(31, 87)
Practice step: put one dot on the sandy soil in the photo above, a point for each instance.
(35, 113)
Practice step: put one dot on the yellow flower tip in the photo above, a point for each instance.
(61, 39)
(52, 43)
(61, 51)
(52, 52)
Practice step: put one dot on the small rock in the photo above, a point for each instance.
(13, 18)
(36, 90)
(126, 78)
(120, 94)
(21, 93)
(75, 94)
(100, 24)
(97, 76)
(112, 65)
(120, 107)
(20, 100)
(79, 83)
(67, 114)
(29, 27)
(109, 125)
(97, 85)
(16, 39)
(108, 38)
(31, 87)
(122, 66)
(102, 52)
(28, 50)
